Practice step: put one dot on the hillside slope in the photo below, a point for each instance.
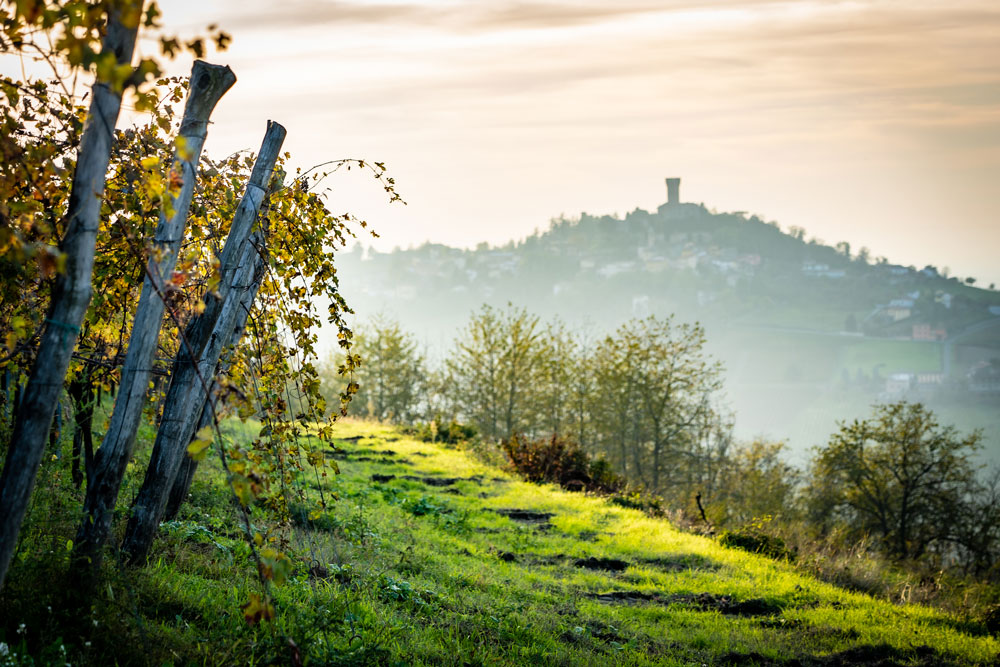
(430, 557)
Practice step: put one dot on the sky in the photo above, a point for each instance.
(874, 122)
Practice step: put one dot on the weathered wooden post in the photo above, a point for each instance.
(201, 346)
(182, 482)
(70, 295)
(208, 84)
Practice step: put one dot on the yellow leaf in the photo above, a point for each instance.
(183, 152)
(256, 610)
(241, 487)
(198, 449)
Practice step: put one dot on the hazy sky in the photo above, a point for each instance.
(873, 122)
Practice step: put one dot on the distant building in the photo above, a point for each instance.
(927, 332)
(615, 268)
(898, 383)
(899, 309)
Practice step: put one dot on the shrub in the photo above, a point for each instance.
(755, 541)
(450, 433)
(560, 461)
(638, 499)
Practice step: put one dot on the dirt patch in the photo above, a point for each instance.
(526, 516)
(857, 656)
(607, 564)
(723, 604)
(529, 517)
(625, 597)
(429, 481)
(680, 563)
(436, 481)
(352, 438)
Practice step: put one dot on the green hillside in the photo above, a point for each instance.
(428, 556)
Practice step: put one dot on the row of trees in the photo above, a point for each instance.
(646, 398)
(130, 261)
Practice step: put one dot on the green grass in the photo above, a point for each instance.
(894, 356)
(403, 571)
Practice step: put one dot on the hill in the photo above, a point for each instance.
(428, 556)
(809, 333)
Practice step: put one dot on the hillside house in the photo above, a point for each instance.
(614, 268)
(927, 332)
(898, 384)
(899, 309)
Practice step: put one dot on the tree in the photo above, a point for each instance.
(898, 475)
(494, 369)
(391, 377)
(753, 481)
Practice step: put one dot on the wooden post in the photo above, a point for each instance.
(70, 295)
(208, 84)
(199, 353)
(182, 482)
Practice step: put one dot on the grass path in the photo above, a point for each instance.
(460, 563)
(428, 557)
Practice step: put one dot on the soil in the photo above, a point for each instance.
(609, 564)
(680, 563)
(724, 604)
(866, 655)
(526, 516)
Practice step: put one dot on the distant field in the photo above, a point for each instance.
(758, 355)
(895, 356)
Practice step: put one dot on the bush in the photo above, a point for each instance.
(638, 499)
(991, 619)
(560, 461)
(451, 433)
(755, 541)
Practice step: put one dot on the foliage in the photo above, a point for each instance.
(749, 481)
(436, 430)
(755, 539)
(560, 461)
(273, 376)
(897, 475)
(493, 371)
(391, 376)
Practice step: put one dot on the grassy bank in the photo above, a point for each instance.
(429, 557)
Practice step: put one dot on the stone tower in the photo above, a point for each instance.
(673, 191)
